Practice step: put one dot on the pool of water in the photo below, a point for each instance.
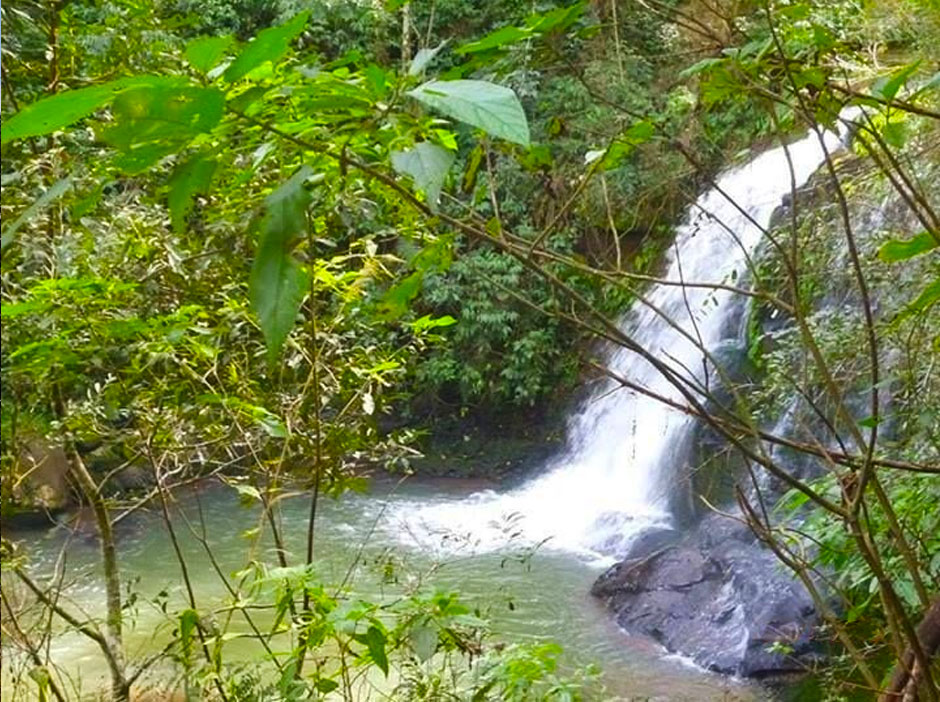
(369, 541)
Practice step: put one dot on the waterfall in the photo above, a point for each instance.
(624, 450)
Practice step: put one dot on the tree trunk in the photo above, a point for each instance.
(120, 688)
(907, 676)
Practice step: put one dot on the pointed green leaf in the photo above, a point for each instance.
(62, 109)
(495, 40)
(424, 641)
(493, 108)
(270, 45)
(900, 250)
(150, 123)
(558, 19)
(277, 283)
(427, 322)
(375, 641)
(895, 134)
(427, 164)
(887, 87)
(191, 178)
(204, 53)
(189, 620)
(396, 298)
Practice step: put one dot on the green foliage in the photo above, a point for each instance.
(278, 283)
(154, 122)
(896, 261)
(493, 108)
(190, 178)
(900, 250)
(499, 353)
(204, 53)
(428, 165)
(270, 45)
(63, 109)
(117, 306)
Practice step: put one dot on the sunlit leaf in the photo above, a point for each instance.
(928, 297)
(902, 249)
(189, 620)
(151, 123)
(270, 45)
(396, 300)
(493, 108)
(427, 322)
(556, 19)
(204, 53)
(62, 109)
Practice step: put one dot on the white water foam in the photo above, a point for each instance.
(623, 450)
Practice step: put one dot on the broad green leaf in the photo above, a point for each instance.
(375, 641)
(62, 109)
(493, 108)
(895, 134)
(270, 45)
(277, 283)
(396, 299)
(496, 40)
(424, 640)
(902, 249)
(558, 19)
(150, 123)
(325, 685)
(428, 165)
(204, 53)
(272, 425)
(887, 87)
(423, 58)
(191, 178)
(53, 193)
(244, 100)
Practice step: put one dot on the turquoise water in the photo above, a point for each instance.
(368, 542)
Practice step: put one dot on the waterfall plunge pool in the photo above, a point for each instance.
(526, 595)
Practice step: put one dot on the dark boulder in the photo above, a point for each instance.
(717, 597)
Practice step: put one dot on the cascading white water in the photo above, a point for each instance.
(614, 477)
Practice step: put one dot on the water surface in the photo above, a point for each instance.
(372, 542)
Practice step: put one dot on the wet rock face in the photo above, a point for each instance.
(717, 597)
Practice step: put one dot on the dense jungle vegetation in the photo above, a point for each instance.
(295, 244)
